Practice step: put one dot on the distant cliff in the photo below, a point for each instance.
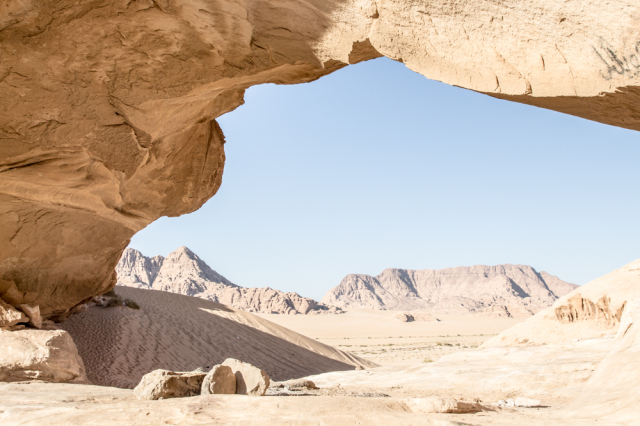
(183, 272)
(503, 290)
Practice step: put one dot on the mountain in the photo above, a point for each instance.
(183, 272)
(503, 290)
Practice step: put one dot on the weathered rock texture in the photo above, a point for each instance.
(503, 290)
(168, 384)
(250, 380)
(219, 381)
(48, 355)
(107, 108)
(575, 315)
(581, 309)
(183, 272)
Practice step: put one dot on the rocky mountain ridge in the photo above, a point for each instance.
(502, 290)
(183, 272)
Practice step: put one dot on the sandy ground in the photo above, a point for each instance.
(181, 333)
(369, 334)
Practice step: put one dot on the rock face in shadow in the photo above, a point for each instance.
(107, 110)
(183, 272)
(500, 291)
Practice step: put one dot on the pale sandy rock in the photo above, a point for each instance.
(297, 384)
(106, 131)
(613, 392)
(183, 272)
(48, 355)
(250, 380)
(436, 404)
(592, 310)
(9, 316)
(220, 380)
(501, 291)
(527, 402)
(33, 313)
(164, 384)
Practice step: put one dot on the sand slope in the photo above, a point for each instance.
(119, 345)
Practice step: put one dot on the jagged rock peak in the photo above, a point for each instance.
(183, 272)
(501, 290)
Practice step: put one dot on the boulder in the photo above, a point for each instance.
(9, 316)
(250, 380)
(168, 384)
(219, 381)
(48, 355)
(434, 404)
(33, 312)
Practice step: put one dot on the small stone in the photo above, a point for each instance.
(10, 316)
(219, 381)
(436, 404)
(300, 384)
(527, 402)
(33, 312)
(250, 380)
(164, 384)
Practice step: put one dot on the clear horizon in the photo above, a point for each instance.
(376, 167)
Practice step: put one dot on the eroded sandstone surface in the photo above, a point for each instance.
(108, 108)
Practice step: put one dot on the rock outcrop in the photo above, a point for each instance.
(183, 272)
(164, 384)
(576, 316)
(220, 380)
(105, 131)
(47, 355)
(250, 380)
(581, 309)
(503, 290)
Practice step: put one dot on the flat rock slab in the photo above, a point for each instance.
(67, 404)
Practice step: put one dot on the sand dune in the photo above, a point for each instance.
(119, 345)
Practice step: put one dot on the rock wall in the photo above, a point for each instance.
(107, 108)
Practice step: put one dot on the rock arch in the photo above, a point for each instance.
(108, 107)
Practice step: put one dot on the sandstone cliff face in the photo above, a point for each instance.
(183, 272)
(107, 109)
(503, 290)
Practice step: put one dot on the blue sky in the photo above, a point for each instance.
(375, 166)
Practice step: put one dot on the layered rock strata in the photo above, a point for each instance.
(107, 109)
(183, 272)
(501, 291)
